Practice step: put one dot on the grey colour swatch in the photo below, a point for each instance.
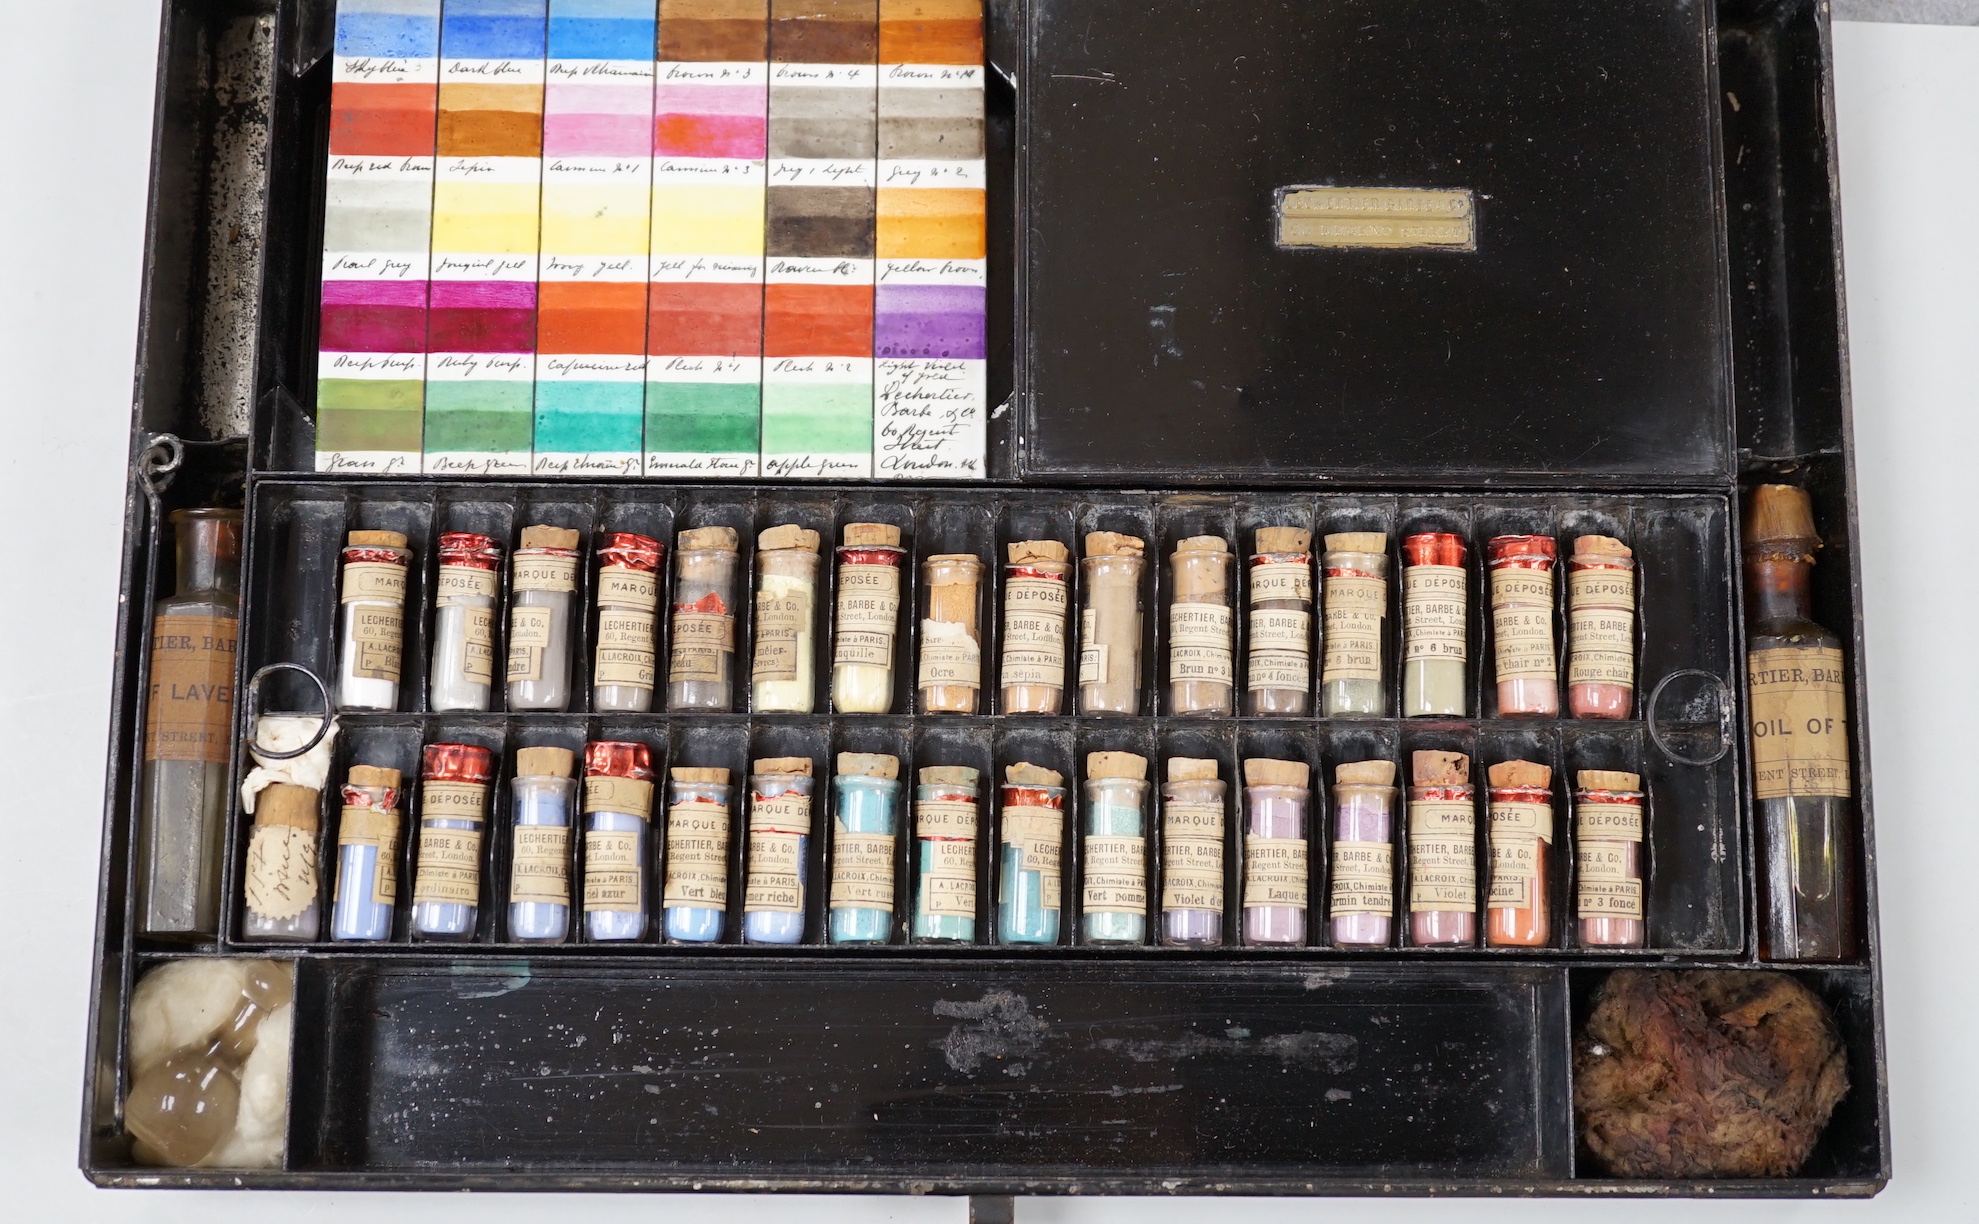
(1912, 12)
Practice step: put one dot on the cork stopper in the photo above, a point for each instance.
(871, 764)
(1519, 773)
(1601, 546)
(1023, 773)
(1608, 780)
(1116, 765)
(545, 762)
(1780, 513)
(283, 804)
(374, 775)
(1365, 773)
(1357, 541)
(696, 773)
(1191, 769)
(375, 539)
(1113, 544)
(783, 536)
(1264, 771)
(1030, 552)
(1283, 539)
(721, 539)
(1441, 769)
(950, 775)
(1203, 544)
(782, 765)
(872, 535)
(548, 537)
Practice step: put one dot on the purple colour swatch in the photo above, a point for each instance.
(930, 321)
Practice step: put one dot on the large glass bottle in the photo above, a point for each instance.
(188, 723)
(1800, 770)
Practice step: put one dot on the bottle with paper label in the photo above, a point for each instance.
(1278, 669)
(1201, 629)
(951, 671)
(1114, 888)
(369, 834)
(865, 823)
(701, 664)
(947, 828)
(1030, 878)
(1608, 851)
(372, 620)
(868, 629)
(1362, 900)
(1518, 902)
(1522, 641)
(1110, 624)
(1353, 666)
(783, 675)
(465, 590)
(542, 599)
(1192, 849)
(281, 879)
(453, 814)
(1442, 851)
(1435, 625)
(1276, 852)
(628, 595)
(618, 812)
(779, 847)
(1036, 602)
(1600, 628)
(695, 894)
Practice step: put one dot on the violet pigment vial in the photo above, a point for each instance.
(1276, 852)
(1363, 895)
(1442, 852)
(1192, 841)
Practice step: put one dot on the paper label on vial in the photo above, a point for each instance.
(1608, 821)
(377, 635)
(367, 826)
(1192, 856)
(785, 813)
(544, 572)
(635, 590)
(1605, 887)
(780, 621)
(528, 642)
(944, 818)
(862, 871)
(628, 796)
(949, 657)
(449, 870)
(1363, 878)
(1034, 632)
(377, 580)
(190, 715)
(702, 642)
(948, 889)
(1522, 820)
(625, 647)
(1442, 856)
(1434, 611)
(281, 871)
(477, 663)
(1199, 643)
(1799, 722)
(1038, 834)
(1281, 580)
(540, 869)
(1603, 586)
(776, 872)
(1516, 831)
(1275, 872)
(1116, 875)
(612, 878)
(868, 614)
(1601, 627)
(697, 855)
(1522, 623)
(1092, 654)
(1281, 650)
(452, 800)
(463, 585)
(1355, 609)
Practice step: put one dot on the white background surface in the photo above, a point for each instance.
(76, 91)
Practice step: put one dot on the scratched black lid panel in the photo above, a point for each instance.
(1165, 330)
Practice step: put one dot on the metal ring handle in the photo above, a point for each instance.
(254, 711)
(1725, 715)
(163, 454)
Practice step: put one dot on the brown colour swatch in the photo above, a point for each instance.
(931, 31)
(821, 222)
(491, 120)
(824, 31)
(714, 31)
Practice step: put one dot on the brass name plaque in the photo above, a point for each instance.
(1438, 217)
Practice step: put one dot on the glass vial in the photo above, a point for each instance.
(865, 820)
(541, 796)
(1600, 628)
(1110, 624)
(1363, 894)
(946, 806)
(282, 883)
(188, 729)
(1798, 681)
(1278, 677)
(1442, 852)
(1201, 662)
(1035, 603)
(1115, 893)
(464, 597)
(453, 806)
(783, 677)
(1518, 910)
(1276, 852)
(628, 622)
(1435, 626)
(700, 668)
(1030, 882)
(1356, 598)
(1608, 829)
(373, 621)
(773, 901)
(696, 891)
(1522, 626)
(1192, 839)
(368, 832)
(618, 812)
(868, 619)
(542, 595)
(951, 673)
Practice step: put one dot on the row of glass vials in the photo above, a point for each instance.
(586, 859)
